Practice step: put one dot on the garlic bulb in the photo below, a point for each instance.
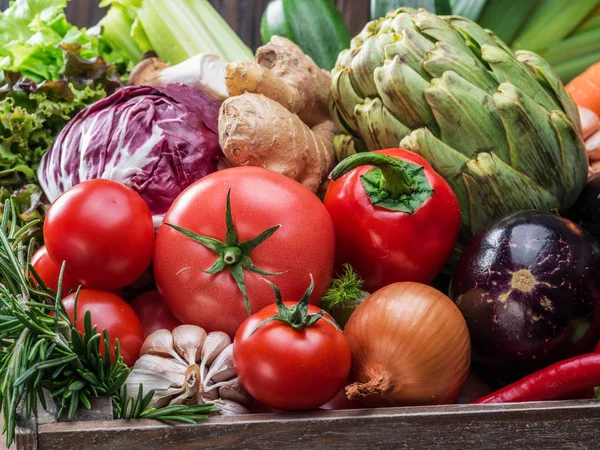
(189, 366)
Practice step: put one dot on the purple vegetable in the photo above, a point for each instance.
(157, 140)
(529, 289)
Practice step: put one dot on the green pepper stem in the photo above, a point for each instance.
(394, 177)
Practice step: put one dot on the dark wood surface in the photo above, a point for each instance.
(243, 15)
(545, 425)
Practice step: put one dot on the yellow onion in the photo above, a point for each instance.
(410, 346)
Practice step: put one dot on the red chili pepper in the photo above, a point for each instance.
(395, 218)
(556, 381)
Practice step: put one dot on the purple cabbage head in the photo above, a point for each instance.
(157, 140)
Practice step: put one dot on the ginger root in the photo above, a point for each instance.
(277, 116)
(257, 131)
(285, 74)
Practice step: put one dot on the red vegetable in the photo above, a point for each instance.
(291, 356)
(597, 349)
(396, 222)
(112, 313)
(49, 272)
(560, 380)
(230, 230)
(153, 313)
(103, 230)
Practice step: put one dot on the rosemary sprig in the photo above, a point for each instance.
(40, 348)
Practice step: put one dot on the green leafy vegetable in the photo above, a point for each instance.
(175, 29)
(49, 71)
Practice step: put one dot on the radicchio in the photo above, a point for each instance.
(157, 140)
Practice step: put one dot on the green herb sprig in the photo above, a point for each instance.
(40, 348)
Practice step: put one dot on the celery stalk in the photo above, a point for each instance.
(551, 21)
(179, 29)
(116, 26)
(175, 29)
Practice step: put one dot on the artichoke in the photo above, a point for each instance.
(498, 126)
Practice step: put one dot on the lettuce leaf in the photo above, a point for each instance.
(49, 71)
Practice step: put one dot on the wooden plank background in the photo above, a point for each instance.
(243, 15)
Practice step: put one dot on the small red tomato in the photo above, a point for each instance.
(49, 272)
(395, 218)
(103, 230)
(113, 314)
(295, 361)
(153, 313)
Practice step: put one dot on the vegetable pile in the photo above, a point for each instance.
(228, 233)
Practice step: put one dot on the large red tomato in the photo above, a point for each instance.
(288, 368)
(113, 313)
(49, 272)
(153, 313)
(260, 200)
(103, 231)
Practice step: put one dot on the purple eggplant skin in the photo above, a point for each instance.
(586, 211)
(529, 289)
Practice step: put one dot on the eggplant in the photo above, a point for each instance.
(529, 289)
(586, 211)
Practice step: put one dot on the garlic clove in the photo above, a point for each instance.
(234, 391)
(222, 367)
(214, 344)
(230, 408)
(188, 341)
(160, 343)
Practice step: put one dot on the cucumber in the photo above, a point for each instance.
(316, 26)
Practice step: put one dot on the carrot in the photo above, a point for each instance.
(585, 89)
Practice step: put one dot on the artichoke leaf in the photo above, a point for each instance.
(574, 157)
(345, 98)
(403, 21)
(445, 160)
(507, 68)
(534, 147)
(412, 49)
(444, 58)
(472, 32)
(467, 118)
(369, 57)
(344, 145)
(546, 75)
(496, 190)
(440, 30)
(402, 91)
(378, 127)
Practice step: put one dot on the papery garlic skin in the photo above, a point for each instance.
(189, 366)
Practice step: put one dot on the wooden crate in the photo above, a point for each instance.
(542, 425)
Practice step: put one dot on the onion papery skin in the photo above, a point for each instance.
(410, 346)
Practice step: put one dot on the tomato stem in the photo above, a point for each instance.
(296, 316)
(232, 253)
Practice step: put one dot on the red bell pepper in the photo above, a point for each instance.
(395, 218)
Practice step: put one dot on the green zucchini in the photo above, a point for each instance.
(316, 26)
(379, 8)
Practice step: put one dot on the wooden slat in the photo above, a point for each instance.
(556, 425)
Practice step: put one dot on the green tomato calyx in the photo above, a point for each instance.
(232, 254)
(296, 316)
(394, 183)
